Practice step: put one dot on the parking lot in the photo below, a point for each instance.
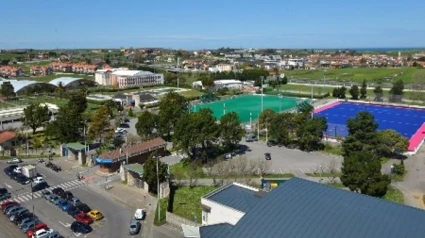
(116, 216)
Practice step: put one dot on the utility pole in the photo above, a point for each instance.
(262, 93)
(157, 181)
(224, 109)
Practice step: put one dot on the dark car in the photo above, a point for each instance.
(13, 175)
(22, 179)
(80, 227)
(6, 208)
(83, 207)
(58, 191)
(40, 186)
(67, 195)
(73, 211)
(267, 156)
(5, 196)
(21, 217)
(3, 190)
(271, 143)
(124, 125)
(9, 169)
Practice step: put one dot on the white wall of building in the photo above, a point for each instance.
(219, 213)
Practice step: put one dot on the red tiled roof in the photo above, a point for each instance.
(134, 149)
(6, 136)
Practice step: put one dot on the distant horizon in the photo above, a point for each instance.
(236, 48)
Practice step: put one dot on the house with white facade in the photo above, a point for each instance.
(124, 78)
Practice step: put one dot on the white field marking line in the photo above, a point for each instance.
(64, 224)
(7, 185)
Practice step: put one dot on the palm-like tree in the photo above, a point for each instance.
(60, 89)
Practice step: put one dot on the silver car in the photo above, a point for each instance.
(14, 209)
(134, 228)
(27, 221)
(29, 225)
(5, 211)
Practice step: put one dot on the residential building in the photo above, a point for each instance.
(301, 208)
(38, 70)
(10, 71)
(225, 67)
(135, 78)
(80, 68)
(61, 67)
(7, 140)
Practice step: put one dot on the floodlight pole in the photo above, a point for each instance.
(262, 94)
(250, 120)
(157, 181)
(224, 109)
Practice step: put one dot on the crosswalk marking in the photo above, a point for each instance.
(68, 185)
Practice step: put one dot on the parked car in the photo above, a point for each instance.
(4, 196)
(9, 169)
(271, 143)
(14, 161)
(74, 201)
(227, 156)
(29, 224)
(83, 207)
(43, 233)
(47, 194)
(126, 120)
(38, 180)
(267, 156)
(95, 215)
(16, 211)
(3, 191)
(82, 217)
(251, 138)
(58, 191)
(134, 228)
(60, 202)
(53, 234)
(73, 211)
(39, 226)
(8, 207)
(17, 170)
(22, 179)
(64, 206)
(15, 215)
(54, 199)
(27, 220)
(139, 214)
(124, 125)
(67, 195)
(12, 209)
(3, 205)
(80, 227)
(40, 186)
(21, 217)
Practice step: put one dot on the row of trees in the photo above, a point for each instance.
(396, 92)
(295, 129)
(363, 149)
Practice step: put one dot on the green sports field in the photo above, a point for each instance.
(246, 105)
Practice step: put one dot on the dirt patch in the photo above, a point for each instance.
(420, 198)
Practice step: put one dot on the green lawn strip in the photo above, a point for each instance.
(325, 174)
(397, 177)
(187, 201)
(162, 219)
(407, 74)
(394, 195)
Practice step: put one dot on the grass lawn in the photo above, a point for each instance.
(190, 94)
(162, 218)
(407, 74)
(179, 171)
(394, 195)
(187, 201)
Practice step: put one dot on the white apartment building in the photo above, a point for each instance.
(124, 78)
(224, 67)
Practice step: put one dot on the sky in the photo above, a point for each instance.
(208, 24)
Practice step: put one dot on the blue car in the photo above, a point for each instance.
(64, 205)
(73, 211)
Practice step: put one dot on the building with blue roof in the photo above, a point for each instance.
(301, 208)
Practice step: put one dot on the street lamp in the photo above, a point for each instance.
(250, 119)
(157, 181)
(280, 102)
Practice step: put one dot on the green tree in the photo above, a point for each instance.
(361, 172)
(145, 124)
(60, 90)
(206, 127)
(396, 92)
(36, 116)
(118, 142)
(354, 92)
(171, 108)
(339, 92)
(99, 123)
(78, 102)
(68, 125)
(130, 112)
(284, 80)
(184, 137)
(363, 90)
(207, 81)
(266, 118)
(150, 175)
(310, 133)
(362, 134)
(7, 90)
(390, 141)
(280, 128)
(231, 131)
(378, 93)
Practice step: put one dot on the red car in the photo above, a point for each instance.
(39, 226)
(82, 217)
(3, 205)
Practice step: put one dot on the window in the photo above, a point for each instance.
(204, 217)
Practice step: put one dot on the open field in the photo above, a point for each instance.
(407, 74)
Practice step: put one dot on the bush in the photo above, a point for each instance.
(399, 169)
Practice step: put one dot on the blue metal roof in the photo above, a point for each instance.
(217, 230)
(301, 208)
(236, 197)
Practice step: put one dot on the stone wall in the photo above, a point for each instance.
(178, 221)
